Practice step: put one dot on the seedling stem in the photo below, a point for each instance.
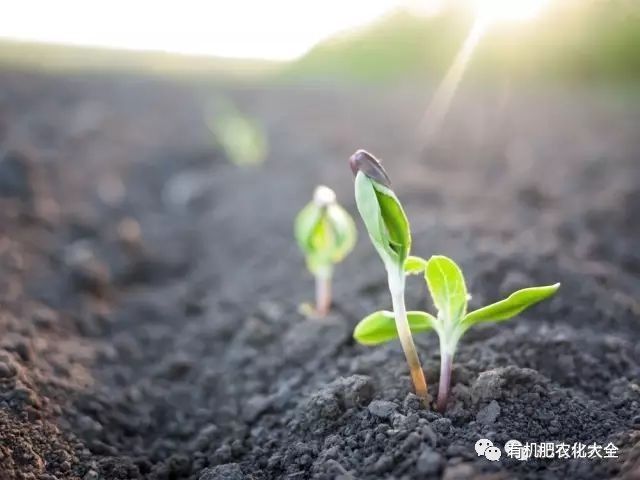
(323, 293)
(446, 362)
(396, 287)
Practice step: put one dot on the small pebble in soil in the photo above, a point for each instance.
(487, 415)
(487, 386)
(412, 402)
(382, 408)
(343, 393)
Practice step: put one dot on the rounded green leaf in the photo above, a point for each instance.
(344, 232)
(511, 306)
(414, 265)
(380, 327)
(446, 285)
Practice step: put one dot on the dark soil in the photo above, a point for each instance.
(149, 289)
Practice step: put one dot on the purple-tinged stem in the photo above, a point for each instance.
(323, 295)
(446, 362)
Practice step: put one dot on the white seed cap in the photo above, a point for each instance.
(323, 196)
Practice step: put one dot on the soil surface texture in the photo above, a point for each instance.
(150, 288)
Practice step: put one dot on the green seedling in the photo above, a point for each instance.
(389, 231)
(241, 136)
(446, 285)
(326, 234)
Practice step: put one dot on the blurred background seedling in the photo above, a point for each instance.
(325, 233)
(241, 136)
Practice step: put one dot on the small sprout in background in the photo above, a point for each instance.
(326, 234)
(449, 293)
(241, 137)
(389, 231)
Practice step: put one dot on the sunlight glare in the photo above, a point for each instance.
(277, 29)
(508, 10)
(441, 101)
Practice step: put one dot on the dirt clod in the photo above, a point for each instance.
(382, 408)
(488, 415)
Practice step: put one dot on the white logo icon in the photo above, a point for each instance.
(484, 447)
(493, 454)
(515, 449)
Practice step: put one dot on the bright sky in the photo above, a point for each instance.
(275, 29)
(270, 29)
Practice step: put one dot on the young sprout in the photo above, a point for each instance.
(325, 233)
(388, 229)
(449, 293)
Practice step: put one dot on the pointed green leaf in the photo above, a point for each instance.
(414, 265)
(384, 219)
(306, 223)
(367, 203)
(395, 221)
(511, 306)
(380, 327)
(344, 232)
(447, 288)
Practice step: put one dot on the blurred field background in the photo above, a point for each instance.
(575, 41)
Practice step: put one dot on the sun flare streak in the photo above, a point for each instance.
(488, 12)
(441, 100)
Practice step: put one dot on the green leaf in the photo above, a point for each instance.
(511, 306)
(380, 327)
(384, 219)
(414, 265)
(242, 137)
(344, 231)
(395, 221)
(325, 233)
(447, 288)
(307, 222)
